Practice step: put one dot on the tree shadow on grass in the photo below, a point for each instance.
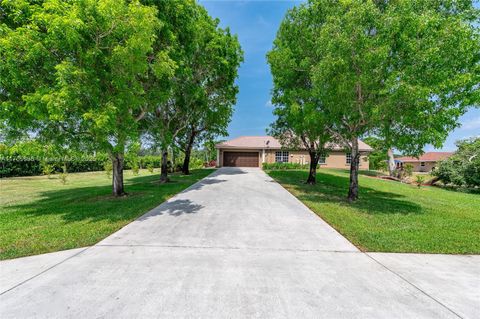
(334, 189)
(95, 203)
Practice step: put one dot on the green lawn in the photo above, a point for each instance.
(390, 216)
(39, 214)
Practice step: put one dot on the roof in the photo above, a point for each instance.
(260, 142)
(427, 157)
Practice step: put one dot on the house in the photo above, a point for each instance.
(252, 151)
(425, 163)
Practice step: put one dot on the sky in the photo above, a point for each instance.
(256, 23)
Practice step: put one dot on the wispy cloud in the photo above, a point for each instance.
(269, 103)
(471, 124)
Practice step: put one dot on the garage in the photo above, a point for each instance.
(240, 159)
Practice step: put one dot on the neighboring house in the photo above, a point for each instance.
(425, 163)
(252, 151)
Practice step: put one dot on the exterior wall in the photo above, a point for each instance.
(220, 159)
(418, 168)
(333, 160)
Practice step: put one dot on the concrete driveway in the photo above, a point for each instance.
(236, 245)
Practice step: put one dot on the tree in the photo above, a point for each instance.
(169, 102)
(88, 59)
(463, 168)
(301, 122)
(377, 157)
(386, 68)
(211, 84)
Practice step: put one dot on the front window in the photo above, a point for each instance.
(422, 164)
(348, 158)
(281, 157)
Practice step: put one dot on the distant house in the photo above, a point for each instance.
(252, 151)
(425, 163)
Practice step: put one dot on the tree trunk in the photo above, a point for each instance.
(164, 166)
(354, 165)
(117, 175)
(391, 162)
(312, 174)
(188, 152)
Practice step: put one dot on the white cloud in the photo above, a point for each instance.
(471, 124)
(269, 103)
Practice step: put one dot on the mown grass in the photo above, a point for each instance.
(390, 216)
(40, 214)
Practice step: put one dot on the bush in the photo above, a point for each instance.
(47, 169)
(108, 168)
(64, 174)
(150, 167)
(284, 166)
(22, 166)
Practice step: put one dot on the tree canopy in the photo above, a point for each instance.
(97, 74)
(386, 68)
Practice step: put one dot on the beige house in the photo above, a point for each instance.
(425, 163)
(252, 151)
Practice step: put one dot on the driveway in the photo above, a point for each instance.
(236, 245)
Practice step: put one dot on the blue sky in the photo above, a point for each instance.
(256, 23)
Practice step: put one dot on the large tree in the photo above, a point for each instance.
(75, 73)
(202, 87)
(387, 67)
(301, 122)
(214, 69)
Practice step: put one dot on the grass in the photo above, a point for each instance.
(40, 214)
(391, 216)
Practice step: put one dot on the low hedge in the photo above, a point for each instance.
(18, 166)
(284, 166)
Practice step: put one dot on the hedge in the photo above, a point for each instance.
(284, 166)
(18, 166)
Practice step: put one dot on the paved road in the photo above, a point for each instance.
(236, 245)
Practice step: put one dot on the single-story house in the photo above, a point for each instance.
(424, 163)
(252, 151)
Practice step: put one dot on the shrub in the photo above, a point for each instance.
(47, 169)
(22, 166)
(150, 167)
(284, 166)
(419, 180)
(64, 174)
(108, 168)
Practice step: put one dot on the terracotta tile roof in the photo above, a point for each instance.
(259, 142)
(427, 157)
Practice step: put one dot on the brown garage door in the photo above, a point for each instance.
(240, 159)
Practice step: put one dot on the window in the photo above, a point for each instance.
(281, 157)
(348, 158)
(321, 159)
(422, 164)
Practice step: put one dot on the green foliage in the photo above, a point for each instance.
(47, 168)
(383, 68)
(283, 166)
(419, 180)
(377, 158)
(407, 170)
(463, 168)
(108, 168)
(64, 174)
(73, 72)
(196, 163)
(150, 168)
(135, 169)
